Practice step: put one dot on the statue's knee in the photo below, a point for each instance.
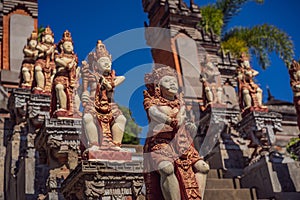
(121, 119)
(219, 89)
(38, 68)
(207, 89)
(25, 70)
(245, 92)
(166, 168)
(201, 166)
(88, 118)
(258, 90)
(59, 87)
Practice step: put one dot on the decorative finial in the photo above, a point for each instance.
(67, 37)
(101, 51)
(33, 36)
(48, 31)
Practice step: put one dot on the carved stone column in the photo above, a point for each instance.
(95, 179)
(38, 108)
(59, 139)
(219, 142)
(213, 122)
(260, 129)
(16, 145)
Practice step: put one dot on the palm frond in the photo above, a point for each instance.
(231, 8)
(212, 19)
(263, 40)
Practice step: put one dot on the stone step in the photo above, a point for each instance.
(287, 196)
(229, 194)
(214, 183)
(214, 173)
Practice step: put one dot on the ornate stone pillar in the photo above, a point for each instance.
(260, 128)
(96, 179)
(59, 139)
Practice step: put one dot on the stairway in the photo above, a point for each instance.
(218, 187)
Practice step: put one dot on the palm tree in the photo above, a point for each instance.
(259, 40)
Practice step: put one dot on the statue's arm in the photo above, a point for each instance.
(181, 116)
(118, 80)
(254, 72)
(60, 62)
(159, 116)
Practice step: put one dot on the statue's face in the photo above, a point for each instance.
(104, 64)
(48, 39)
(68, 47)
(32, 43)
(168, 85)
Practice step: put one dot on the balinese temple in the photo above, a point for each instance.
(242, 139)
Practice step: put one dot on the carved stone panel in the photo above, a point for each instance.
(105, 180)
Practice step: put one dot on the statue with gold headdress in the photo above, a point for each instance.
(64, 82)
(44, 68)
(173, 168)
(99, 81)
(249, 92)
(30, 55)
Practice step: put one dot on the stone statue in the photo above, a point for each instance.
(212, 83)
(294, 72)
(98, 104)
(249, 92)
(64, 82)
(44, 68)
(173, 167)
(30, 56)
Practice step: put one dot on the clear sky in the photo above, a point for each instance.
(120, 24)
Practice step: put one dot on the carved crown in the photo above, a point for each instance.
(48, 31)
(33, 36)
(101, 51)
(158, 72)
(66, 37)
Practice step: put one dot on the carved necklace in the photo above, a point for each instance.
(171, 103)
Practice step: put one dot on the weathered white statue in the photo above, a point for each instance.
(168, 148)
(99, 103)
(44, 69)
(30, 56)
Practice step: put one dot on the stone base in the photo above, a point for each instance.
(105, 180)
(108, 155)
(272, 178)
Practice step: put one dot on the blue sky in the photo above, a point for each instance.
(120, 25)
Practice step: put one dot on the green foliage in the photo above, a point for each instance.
(235, 46)
(41, 29)
(231, 8)
(259, 40)
(132, 130)
(292, 147)
(212, 19)
(262, 40)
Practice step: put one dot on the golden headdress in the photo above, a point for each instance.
(33, 36)
(48, 31)
(66, 37)
(158, 73)
(101, 51)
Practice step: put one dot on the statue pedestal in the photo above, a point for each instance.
(108, 155)
(273, 178)
(59, 142)
(260, 128)
(212, 123)
(95, 179)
